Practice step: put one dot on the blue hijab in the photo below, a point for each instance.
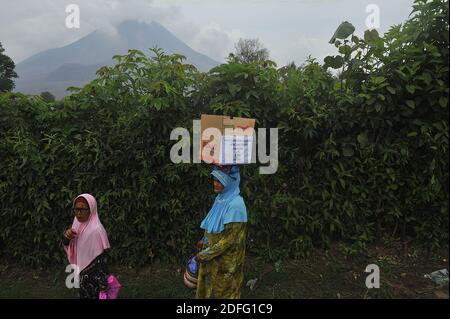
(229, 206)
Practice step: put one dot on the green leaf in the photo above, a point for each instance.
(348, 151)
(391, 89)
(443, 101)
(427, 78)
(345, 49)
(344, 30)
(335, 62)
(378, 79)
(233, 89)
(410, 88)
(157, 104)
(402, 75)
(355, 39)
(371, 36)
(363, 139)
(411, 104)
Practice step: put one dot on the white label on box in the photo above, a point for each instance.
(236, 149)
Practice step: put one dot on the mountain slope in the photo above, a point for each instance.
(75, 64)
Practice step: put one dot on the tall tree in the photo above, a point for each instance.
(249, 51)
(7, 72)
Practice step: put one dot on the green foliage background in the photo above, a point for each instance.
(363, 155)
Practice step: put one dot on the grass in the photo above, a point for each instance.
(324, 274)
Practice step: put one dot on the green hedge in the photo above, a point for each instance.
(362, 156)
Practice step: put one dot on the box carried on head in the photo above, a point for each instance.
(226, 140)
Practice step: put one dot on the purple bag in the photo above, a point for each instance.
(113, 288)
(191, 273)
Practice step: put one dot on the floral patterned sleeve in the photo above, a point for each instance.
(230, 235)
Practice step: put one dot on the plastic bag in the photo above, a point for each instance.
(113, 288)
(439, 276)
(191, 273)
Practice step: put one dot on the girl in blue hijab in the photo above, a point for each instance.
(221, 259)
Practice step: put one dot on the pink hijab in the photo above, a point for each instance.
(91, 239)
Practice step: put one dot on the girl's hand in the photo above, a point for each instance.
(70, 233)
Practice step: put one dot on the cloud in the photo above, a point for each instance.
(29, 26)
(290, 30)
(215, 42)
(37, 26)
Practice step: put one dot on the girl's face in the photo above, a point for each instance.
(218, 187)
(81, 210)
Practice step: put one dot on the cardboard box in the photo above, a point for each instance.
(226, 140)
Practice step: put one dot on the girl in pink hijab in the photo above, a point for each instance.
(85, 244)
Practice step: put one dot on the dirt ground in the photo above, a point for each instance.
(324, 274)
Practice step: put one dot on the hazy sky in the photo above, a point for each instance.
(290, 29)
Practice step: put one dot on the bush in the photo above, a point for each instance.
(361, 155)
